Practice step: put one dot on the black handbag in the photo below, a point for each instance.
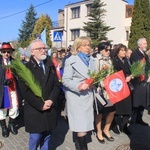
(100, 101)
(131, 87)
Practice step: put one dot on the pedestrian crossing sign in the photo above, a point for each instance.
(57, 36)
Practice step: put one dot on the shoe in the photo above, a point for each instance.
(82, 143)
(12, 128)
(5, 132)
(77, 147)
(111, 139)
(115, 130)
(141, 122)
(125, 130)
(100, 141)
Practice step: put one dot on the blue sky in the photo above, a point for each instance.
(11, 23)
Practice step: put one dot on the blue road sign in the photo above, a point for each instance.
(57, 36)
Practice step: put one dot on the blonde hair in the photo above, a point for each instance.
(78, 42)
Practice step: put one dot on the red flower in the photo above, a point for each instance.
(89, 81)
(142, 77)
(105, 67)
(143, 60)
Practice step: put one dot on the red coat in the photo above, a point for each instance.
(56, 64)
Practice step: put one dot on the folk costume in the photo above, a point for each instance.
(8, 93)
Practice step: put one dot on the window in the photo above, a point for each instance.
(76, 12)
(88, 8)
(75, 34)
(129, 11)
(127, 35)
(88, 33)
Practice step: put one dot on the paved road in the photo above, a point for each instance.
(62, 138)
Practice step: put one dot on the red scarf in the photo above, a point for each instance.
(8, 75)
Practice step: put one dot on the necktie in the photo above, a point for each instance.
(42, 67)
(143, 59)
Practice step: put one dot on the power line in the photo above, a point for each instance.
(24, 10)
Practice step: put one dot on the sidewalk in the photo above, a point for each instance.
(62, 138)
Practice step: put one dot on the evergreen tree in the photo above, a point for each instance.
(43, 22)
(140, 26)
(27, 27)
(96, 27)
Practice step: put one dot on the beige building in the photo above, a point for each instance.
(71, 21)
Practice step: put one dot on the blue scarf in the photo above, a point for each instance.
(85, 58)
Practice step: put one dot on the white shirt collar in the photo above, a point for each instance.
(6, 61)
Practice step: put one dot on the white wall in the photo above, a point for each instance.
(114, 17)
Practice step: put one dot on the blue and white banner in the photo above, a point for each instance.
(43, 36)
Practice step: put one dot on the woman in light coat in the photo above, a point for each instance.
(103, 60)
(79, 95)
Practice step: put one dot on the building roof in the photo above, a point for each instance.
(88, 0)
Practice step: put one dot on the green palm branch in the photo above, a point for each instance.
(137, 68)
(27, 77)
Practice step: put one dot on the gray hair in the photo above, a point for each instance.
(139, 40)
(29, 48)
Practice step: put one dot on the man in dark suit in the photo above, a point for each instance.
(140, 95)
(40, 116)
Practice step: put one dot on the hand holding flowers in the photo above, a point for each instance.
(97, 77)
(129, 78)
(83, 86)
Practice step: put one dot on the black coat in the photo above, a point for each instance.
(123, 107)
(2, 77)
(36, 120)
(140, 94)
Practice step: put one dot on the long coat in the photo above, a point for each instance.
(79, 103)
(36, 120)
(140, 94)
(2, 77)
(123, 107)
(102, 61)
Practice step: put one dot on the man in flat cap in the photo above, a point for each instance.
(8, 93)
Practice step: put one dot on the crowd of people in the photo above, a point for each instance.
(65, 73)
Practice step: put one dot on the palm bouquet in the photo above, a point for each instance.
(97, 77)
(138, 68)
(27, 77)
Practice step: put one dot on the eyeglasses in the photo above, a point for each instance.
(6, 52)
(40, 48)
(89, 45)
(107, 50)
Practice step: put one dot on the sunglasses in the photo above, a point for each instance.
(6, 52)
(107, 50)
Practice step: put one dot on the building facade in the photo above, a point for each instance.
(71, 21)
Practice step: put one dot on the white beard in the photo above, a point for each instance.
(42, 57)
